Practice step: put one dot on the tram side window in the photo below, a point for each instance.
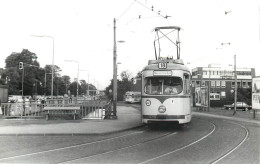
(163, 85)
(187, 84)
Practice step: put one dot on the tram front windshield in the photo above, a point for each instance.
(163, 85)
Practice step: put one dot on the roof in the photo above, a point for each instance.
(171, 65)
(168, 27)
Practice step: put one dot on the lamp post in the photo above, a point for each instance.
(77, 75)
(235, 77)
(52, 68)
(115, 71)
(235, 74)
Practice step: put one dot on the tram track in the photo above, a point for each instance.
(145, 142)
(122, 148)
(68, 147)
(214, 161)
(234, 148)
(181, 148)
(77, 146)
(169, 145)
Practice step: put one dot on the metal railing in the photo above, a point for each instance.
(92, 109)
(21, 110)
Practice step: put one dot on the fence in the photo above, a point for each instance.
(22, 110)
(88, 109)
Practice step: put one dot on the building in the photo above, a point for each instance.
(222, 83)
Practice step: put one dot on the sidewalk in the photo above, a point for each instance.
(246, 116)
(128, 118)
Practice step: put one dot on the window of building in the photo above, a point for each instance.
(244, 85)
(250, 84)
(204, 72)
(218, 84)
(238, 84)
(211, 97)
(214, 96)
(217, 97)
(212, 84)
(233, 84)
(223, 84)
(223, 94)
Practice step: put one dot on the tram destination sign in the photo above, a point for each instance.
(162, 73)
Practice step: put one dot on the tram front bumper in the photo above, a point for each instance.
(175, 118)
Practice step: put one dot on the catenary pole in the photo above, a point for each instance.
(235, 74)
(114, 73)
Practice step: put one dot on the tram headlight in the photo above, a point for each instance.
(162, 109)
(148, 102)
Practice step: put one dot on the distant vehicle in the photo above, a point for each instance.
(15, 98)
(132, 97)
(240, 105)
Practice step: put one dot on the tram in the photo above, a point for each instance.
(166, 87)
(132, 97)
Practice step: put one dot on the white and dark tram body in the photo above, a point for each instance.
(159, 103)
(166, 88)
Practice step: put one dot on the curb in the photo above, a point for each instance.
(71, 134)
(226, 117)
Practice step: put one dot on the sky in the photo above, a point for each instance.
(82, 30)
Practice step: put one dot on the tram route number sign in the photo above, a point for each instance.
(162, 65)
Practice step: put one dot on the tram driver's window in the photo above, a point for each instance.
(172, 85)
(153, 85)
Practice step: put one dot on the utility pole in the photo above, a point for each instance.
(235, 74)
(21, 66)
(209, 85)
(114, 73)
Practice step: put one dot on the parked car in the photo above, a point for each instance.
(240, 105)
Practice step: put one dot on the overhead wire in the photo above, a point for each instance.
(150, 9)
(123, 13)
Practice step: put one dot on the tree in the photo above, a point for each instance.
(126, 75)
(123, 86)
(31, 67)
(84, 86)
(139, 74)
(66, 83)
(37, 81)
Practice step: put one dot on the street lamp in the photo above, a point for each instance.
(52, 68)
(77, 75)
(235, 77)
(115, 70)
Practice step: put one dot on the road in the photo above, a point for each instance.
(205, 140)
